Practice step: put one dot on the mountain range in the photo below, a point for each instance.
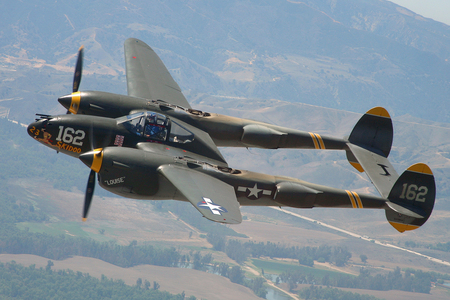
(344, 54)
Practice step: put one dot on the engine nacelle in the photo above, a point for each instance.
(101, 103)
(261, 136)
(295, 195)
(129, 172)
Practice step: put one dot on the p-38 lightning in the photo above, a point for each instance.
(151, 145)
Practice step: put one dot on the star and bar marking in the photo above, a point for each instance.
(254, 191)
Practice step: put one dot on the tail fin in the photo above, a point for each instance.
(373, 132)
(411, 199)
(410, 196)
(369, 146)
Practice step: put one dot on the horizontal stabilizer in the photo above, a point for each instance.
(377, 167)
(411, 199)
(214, 199)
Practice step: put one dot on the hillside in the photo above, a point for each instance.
(344, 54)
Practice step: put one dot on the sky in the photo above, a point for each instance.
(438, 10)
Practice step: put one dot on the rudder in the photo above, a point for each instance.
(412, 198)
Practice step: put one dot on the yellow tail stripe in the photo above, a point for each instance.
(322, 145)
(350, 195)
(314, 140)
(358, 199)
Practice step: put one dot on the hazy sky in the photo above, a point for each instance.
(438, 10)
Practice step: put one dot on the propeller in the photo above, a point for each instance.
(93, 159)
(88, 195)
(73, 101)
(78, 70)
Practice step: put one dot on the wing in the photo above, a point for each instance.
(147, 77)
(177, 152)
(214, 199)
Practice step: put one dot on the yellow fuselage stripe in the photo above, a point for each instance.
(350, 195)
(322, 145)
(313, 136)
(358, 199)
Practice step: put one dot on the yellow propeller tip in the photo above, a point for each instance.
(84, 219)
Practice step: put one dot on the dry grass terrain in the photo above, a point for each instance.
(125, 220)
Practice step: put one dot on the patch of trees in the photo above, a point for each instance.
(62, 247)
(240, 251)
(445, 247)
(21, 282)
(199, 261)
(319, 293)
(419, 282)
(236, 275)
(13, 212)
(441, 247)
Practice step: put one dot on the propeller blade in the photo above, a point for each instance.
(78, 70)
(89, 193)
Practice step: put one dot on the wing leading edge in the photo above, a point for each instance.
(148, 77)
(214, 199)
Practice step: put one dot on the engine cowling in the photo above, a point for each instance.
(295, 195)
(129, 172)
(261, 136)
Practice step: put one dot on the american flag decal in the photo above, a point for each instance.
(119, 140)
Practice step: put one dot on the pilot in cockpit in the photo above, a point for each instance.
(154, 130)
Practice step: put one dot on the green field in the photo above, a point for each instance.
(69, 228)
(280, 267)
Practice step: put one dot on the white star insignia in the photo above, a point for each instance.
(254, 191)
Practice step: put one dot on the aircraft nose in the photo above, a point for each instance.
(30, 129)
(71, 102)
(35, 129)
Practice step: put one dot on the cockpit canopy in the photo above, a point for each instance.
(156, 127)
